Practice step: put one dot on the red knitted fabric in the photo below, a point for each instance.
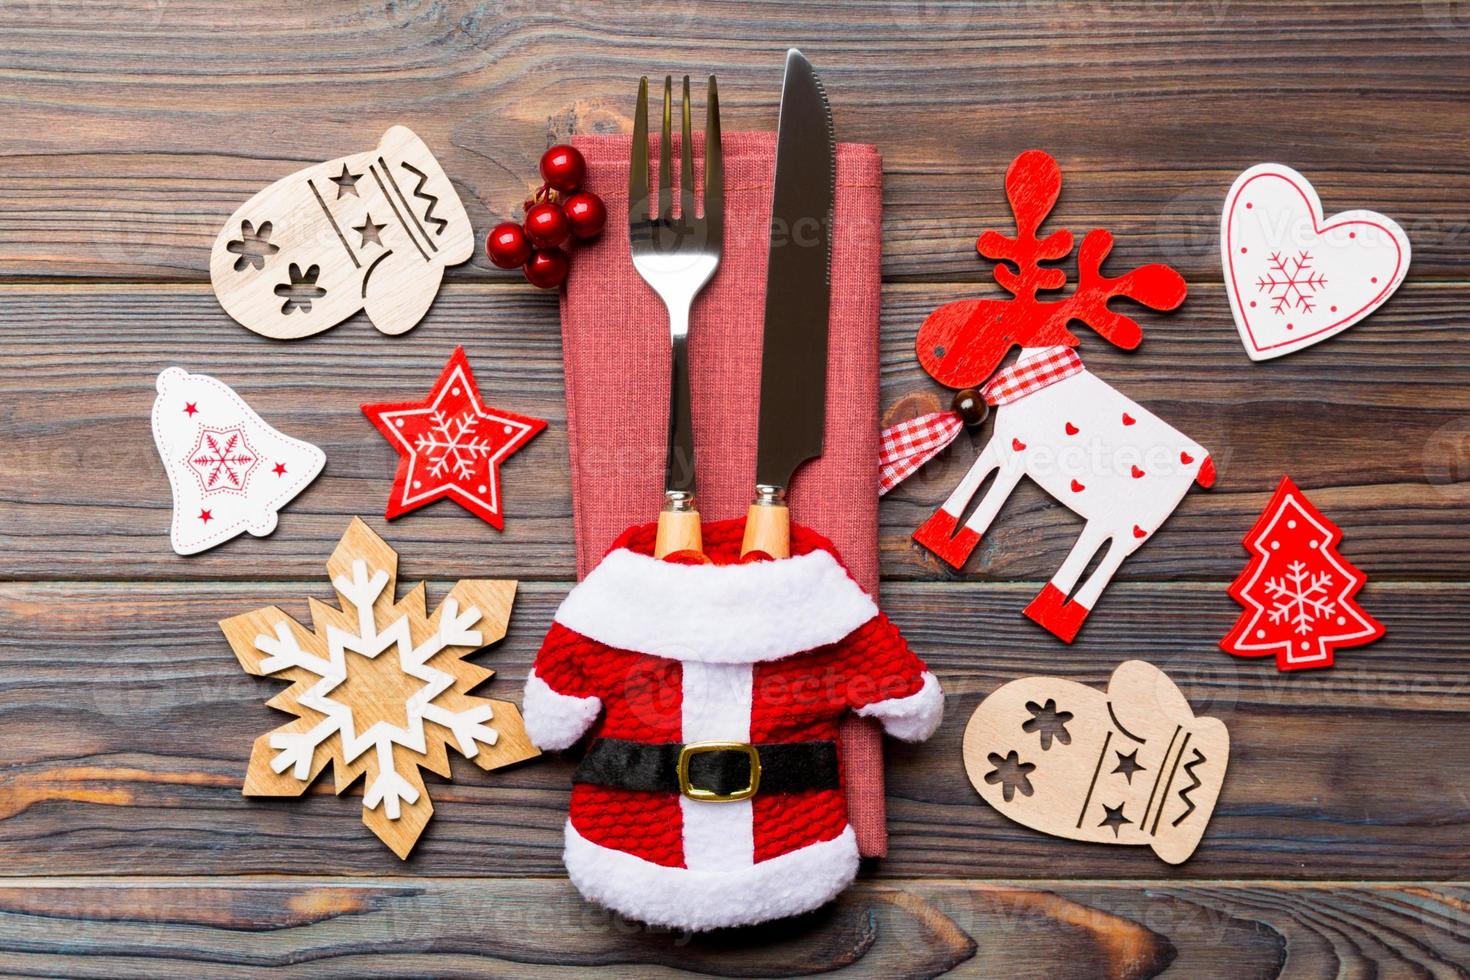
(793, 820)
(797, 697)
(649, 825)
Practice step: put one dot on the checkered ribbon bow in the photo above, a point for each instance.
(909, 445)
(1030, 374)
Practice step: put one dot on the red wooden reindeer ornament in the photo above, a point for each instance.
(1117, 465)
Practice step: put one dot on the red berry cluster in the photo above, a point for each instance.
(559, 211)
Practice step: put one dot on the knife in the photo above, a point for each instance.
(793, 403)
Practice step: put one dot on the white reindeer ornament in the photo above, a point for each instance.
(1117, 465)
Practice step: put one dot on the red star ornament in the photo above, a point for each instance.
(451, 444)
(1298, 592)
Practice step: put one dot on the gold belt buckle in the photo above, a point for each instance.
(692, 749)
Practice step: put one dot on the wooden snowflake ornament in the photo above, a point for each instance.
(1294, 277)
(1297, 590)
(380, 688)
(451, 444)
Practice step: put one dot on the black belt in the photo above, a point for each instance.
(718, 772)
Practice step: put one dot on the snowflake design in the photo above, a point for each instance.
(451, 443)
(1291, 283)
(222, 459)
(394, 705)
(1300, 596)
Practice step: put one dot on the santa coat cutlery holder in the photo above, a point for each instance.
(711, 792)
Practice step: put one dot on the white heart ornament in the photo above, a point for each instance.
(1295, 278)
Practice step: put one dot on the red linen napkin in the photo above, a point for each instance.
(616, 349)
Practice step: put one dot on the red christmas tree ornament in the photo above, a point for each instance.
(1297, 590)
(451, 444)
(961, 344)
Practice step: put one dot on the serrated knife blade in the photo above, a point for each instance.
(798, 284)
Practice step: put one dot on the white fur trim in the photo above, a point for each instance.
(913, 718)
(716, 707)
(555, 721)
(765, 610)
(795, 882)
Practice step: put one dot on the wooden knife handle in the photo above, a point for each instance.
(679, 529)
(767, 529)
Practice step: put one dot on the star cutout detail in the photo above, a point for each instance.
(190, 408)
(451, 444)
(1011, 773)
(1048, 722)
(1115, 818)
(279, 469)
(369, 232)
(1128, 765)
(206, 516)
(346, 182)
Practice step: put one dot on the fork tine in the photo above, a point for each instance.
(686, 165)
(638, 162)
(666, 157)
(714, 169)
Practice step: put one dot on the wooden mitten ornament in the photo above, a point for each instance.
(380, 688)
(372, 231)
(1113, 462)
(1130, 766)
(1294, 277)
(230, 471)
(1297, 590)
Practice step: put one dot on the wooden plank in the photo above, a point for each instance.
(118, 167)
(128, 726)
(80, 477)
(1049, 929)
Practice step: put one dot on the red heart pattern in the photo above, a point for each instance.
(1128, 419)
(1185, 458)
(1137, 473)
(1071, 429)
(1077, 487)
(1139, 532)
(1018, 445)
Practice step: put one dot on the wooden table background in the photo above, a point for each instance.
(132, 128)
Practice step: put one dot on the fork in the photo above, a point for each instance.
(677, 257)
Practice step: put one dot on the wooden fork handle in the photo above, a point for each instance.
(679, 529)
